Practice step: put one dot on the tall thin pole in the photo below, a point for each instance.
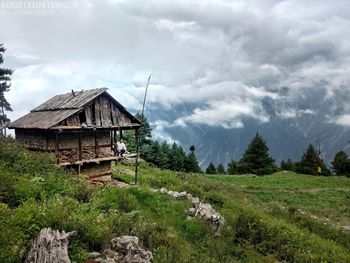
(137, 133)
(144, 99)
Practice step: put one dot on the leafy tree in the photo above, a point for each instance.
(221, 169)
(211, 169)
(5, 78)
(191, 163)
(308, 163)
(256, 158)
(341, 164)
(232, 167)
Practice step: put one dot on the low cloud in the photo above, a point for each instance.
(224, 57)
(343, 120)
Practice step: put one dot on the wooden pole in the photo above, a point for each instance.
(96, 144)
(80, 148)
(121, 133)
(57, 148)
(137, 137)
(144, 99)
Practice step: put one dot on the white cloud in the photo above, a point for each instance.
(227, 114)
(160, 134)
(224, 57)
(343, 120)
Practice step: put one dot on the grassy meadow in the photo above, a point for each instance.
(283, 217)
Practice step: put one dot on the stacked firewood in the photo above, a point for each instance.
(88, 153)
(69, 156)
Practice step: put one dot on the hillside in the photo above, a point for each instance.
(282, 217)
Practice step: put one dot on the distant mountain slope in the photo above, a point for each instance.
(293, 125)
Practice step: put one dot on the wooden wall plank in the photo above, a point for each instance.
(97, 113)
(73, 120)
(105, 112)
(88, 115)
(114, 116)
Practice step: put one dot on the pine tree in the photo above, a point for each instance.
(256, 158)
(341, 164)
(288, 165)
(164, 155)
(145, 136)
(221, 169)
(283, 166)
(191, 163)
(308, 163)
(232, 167)
(211, 169)
(5, 78)
(177, 158)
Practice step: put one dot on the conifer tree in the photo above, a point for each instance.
(191, 163)
(287, 165)
(5, 78)
(211, 169)
(145, 136)
(256, 158)
(177, 158)
(221, 169)
(164, 155)
(341, 164)
(308, 163)
(232, 167)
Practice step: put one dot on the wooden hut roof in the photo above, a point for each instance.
(60, 107)
(70, 101)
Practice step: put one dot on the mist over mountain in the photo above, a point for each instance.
(292, 125)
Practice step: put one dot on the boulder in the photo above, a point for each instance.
(163, 190)
(125, 249)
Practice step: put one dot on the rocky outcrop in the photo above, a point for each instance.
(50, 246)
(124, 249)
(199, 209)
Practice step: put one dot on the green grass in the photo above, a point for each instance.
(284, 181)
(262, 224)
(327, 197)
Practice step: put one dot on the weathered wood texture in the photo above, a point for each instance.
(50, 246)
(93, 170)
(31, 138)
(82, 109)
(69, 145)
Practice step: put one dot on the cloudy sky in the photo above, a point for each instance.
(225, 57)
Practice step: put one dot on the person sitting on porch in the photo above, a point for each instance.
(120, 148)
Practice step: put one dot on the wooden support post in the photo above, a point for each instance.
(57, 148)
(80, 149)
(96, 144)
(121, 133)
(137, 139)
(111, 138)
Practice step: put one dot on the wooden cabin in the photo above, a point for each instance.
(79, 127)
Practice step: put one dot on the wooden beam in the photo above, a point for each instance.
(96, 144)
(120, 133)
(57, 148)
